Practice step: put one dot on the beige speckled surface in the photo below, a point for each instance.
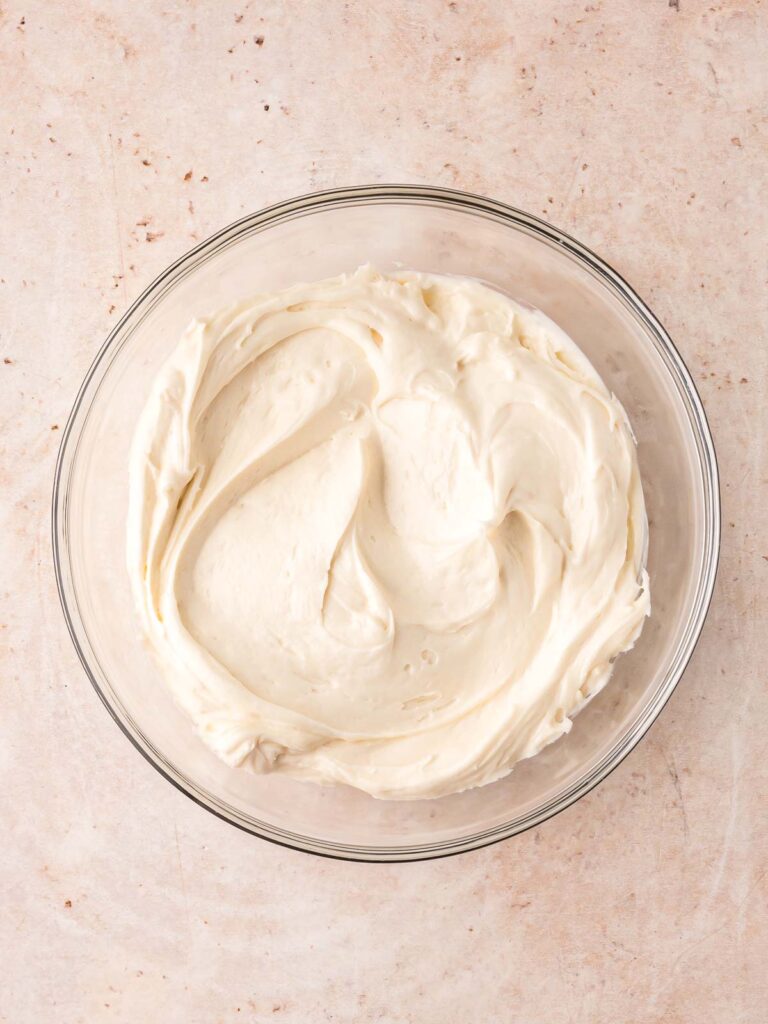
(131, 130)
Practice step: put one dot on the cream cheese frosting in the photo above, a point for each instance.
(385, 530)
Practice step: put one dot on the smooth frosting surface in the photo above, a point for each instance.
(385, 530)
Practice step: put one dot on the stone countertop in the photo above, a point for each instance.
(130, 131)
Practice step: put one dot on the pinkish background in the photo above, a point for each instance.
(131, 130)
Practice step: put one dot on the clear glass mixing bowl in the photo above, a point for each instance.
(393, 227)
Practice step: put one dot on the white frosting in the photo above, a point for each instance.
(385, 530)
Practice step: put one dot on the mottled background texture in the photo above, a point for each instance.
(128, 131)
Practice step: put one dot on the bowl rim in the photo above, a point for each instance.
(313, 202)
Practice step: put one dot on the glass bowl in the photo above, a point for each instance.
(392, 227)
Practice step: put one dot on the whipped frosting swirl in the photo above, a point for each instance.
(385, 530)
